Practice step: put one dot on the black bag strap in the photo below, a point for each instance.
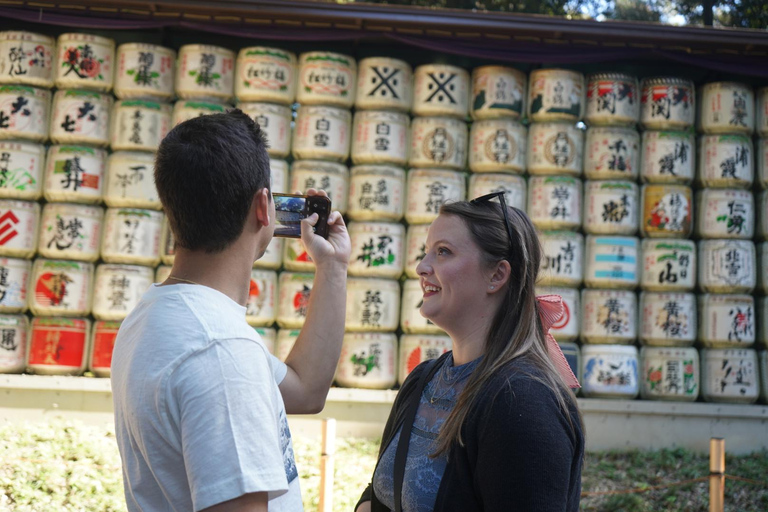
(405, 433)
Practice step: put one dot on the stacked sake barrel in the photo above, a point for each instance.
(28, 63)
(265, 87)
(761, 132)
(725, 224)
(669, 366)
(555, 104)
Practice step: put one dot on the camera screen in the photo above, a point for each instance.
(289, 212)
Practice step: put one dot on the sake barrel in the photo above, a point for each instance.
(162, 273)
(21, 170)
(725, 161)
(613, 99)
(440, 90)
(417, 348)
(727, 321)
(612, 262)
(566, 329)
(373, 305)
(726, 107)
(85, 61)
(608, 317)
(19, 222)
(498, 92)
(139, 125)
(609, 371)
(384, 83)
(168, 252)
(14, 329)
(14, 278)
(667, 211)
(670, 373)
(562, 262)
(368, 360)
(70, 231)
(326, 78)
(378, 249)
(761, 108)
(667, 103)
(58, 346)
(61, 288)
(763, 355)
(555, 148)
(669, 265)
(762, 162)
(24, 112)
(268, 337)
(428, 190)
(118, 289)
(725, 213)
(75, 174)
(727, 266)
(184, 110)
(554, 202)
(497, 145)
(144, 71)
(611, 153)
(411, 320)
(729, 375)
(260, 308)
(415, 246)
(205, 72)
(265, 74)
(322, 133)
(101, 347)
(278, 176)
(572, 354)
(328, 176)
(26, 58)
(132, 235)
(273, 255)
(555, 94)
(438, 142)
(376, 192)
(293, 300)
(667, 319)
(286, 339)
(295, 256)
(514, 187)
(611, 207)
(80, 117)
(380, 137)
(130, 181)
(275, 122)
(667, 157)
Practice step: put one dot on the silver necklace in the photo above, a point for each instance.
(441, 377)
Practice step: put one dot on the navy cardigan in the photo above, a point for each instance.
(520, 453)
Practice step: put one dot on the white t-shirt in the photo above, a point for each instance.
(198, 413)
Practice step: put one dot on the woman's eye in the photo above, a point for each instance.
(441, 251)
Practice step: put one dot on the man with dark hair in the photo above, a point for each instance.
(200, 404)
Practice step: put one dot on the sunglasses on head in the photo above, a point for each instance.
(490, 197)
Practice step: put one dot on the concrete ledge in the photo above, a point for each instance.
(610, 424)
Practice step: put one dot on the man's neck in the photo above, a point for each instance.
(228, 271)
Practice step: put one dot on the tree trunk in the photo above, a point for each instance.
(708, 15)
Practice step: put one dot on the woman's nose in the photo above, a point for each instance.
(424, 267)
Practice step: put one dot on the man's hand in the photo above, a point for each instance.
(337, 249)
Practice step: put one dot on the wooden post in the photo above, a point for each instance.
(326, 465)
(716, 474)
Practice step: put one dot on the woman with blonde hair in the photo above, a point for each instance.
(492, 425)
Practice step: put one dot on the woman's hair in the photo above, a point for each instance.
(516, 328)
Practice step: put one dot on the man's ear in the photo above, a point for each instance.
(261, 202)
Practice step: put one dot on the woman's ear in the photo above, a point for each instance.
(501, 274)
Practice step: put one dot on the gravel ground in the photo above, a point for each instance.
(68, 466)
